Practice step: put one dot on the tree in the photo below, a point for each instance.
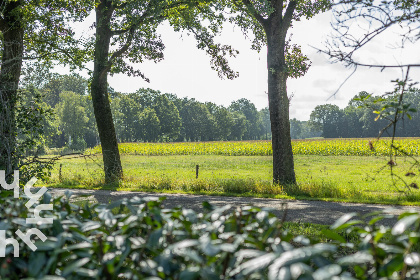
(239, 127)
(150, 125)
(295, 129)
(327, 118)
(265, 119)
(58, 83)
(224, 123)
(196, 120)
(270, 22)
(129, 119)
(12, 31)
(247, 108)
(130, 26)
(168, 114)
(72, 115)
(30, 29)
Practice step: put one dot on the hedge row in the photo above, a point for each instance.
(138, 239)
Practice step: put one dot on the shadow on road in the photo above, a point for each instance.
(318, 212)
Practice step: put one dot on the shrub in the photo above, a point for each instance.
(137, 239)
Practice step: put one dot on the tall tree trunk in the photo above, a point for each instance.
(99, 91)
(278, 101)
(11, 65)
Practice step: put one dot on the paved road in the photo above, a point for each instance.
(319, 212)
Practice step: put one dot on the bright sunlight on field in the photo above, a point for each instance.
(321, 147)
(336, 169)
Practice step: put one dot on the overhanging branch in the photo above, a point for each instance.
(250, 9)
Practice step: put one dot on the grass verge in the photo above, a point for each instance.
(330, 178)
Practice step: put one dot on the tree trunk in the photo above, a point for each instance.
(99, 91)
(283, 165)
(11, 65)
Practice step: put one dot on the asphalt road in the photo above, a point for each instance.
(319, 212)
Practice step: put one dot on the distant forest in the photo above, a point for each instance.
(151, 116)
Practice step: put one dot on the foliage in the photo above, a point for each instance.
(32, 119)
(72, 115)
(137, 239)
(324, 147)
(367, 115)
(147, 115)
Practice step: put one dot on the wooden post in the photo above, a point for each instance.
(59, 173)
(196, 171)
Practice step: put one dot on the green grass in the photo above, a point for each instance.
(332, 178)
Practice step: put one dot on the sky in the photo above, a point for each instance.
(185, 70)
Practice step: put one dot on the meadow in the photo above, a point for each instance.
(347, 176)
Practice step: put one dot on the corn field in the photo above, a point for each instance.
(322, 147)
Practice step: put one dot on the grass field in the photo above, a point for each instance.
(335, 178)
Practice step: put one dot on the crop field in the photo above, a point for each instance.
(320, 147)
(333, 178)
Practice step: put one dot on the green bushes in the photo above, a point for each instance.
(137, 239)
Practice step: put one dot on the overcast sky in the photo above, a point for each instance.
(186, 71)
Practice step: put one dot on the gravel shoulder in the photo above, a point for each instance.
(319, 212)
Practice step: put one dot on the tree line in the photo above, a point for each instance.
(367, 116)
(146, 115)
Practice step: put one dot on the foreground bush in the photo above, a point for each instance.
(137, 239)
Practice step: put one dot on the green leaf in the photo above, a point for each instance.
(84, 272)
(389, 268)
(185, 244)
(342, 220)
(360, 257)
(207, 206)
(36, 263)
(74, 266)
(404, 223)
(412, 259)
(190, 273)
(91, 225)
(82, 245)
(257, 263)
(48, 245)
(333, 235)
(154, 238)
(327, 272)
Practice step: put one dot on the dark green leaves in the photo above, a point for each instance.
(138, 239)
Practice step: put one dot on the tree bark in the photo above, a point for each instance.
(99, 90)
(276, 29)
(11, 65)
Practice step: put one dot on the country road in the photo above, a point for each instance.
(319, 212)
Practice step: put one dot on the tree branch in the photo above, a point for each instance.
(119, 32)
(250, 9)
(288, 15)
(3, 25)
(67, 54)
(342, 57)
(122, 50)
(120, 7)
